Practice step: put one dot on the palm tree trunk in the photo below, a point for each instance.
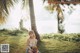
(60, 19)
(58, 22)
(32, 17)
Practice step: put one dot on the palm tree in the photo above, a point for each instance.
(5, 4)
(32, 17)
(60, 16)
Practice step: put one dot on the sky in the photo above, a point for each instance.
(45, 21)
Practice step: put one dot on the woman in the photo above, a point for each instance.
(32, 43)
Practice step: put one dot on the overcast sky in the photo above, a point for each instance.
(45, 21)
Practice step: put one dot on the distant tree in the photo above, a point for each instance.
(21, 24)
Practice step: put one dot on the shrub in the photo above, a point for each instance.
(64, 37)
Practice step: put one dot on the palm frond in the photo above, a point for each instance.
(50, 7)
(4, 5)
(2, 19)
(25, 3)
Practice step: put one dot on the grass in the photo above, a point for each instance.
(17, 42)
(56, 46)
(50, 43)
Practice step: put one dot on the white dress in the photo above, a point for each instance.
(32, 43)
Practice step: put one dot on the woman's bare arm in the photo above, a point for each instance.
(28, 44)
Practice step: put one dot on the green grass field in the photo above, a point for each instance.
(47, 45)
(56, 46)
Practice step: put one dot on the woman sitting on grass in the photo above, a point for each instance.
(32, 43)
